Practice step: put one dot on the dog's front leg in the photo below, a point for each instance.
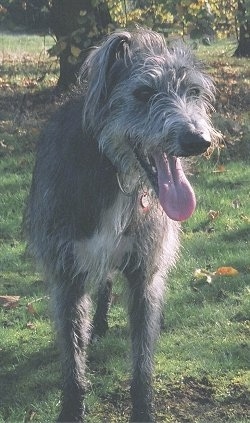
(146, 291)
(71, 306)
(100, 321)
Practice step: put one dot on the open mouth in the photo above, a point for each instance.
(170, 184)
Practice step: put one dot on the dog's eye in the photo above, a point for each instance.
(144, 93)
(194, 92)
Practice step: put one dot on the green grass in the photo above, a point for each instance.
(13, 44)
(24, 61)
(202, 358)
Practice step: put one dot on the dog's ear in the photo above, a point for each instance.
(115, 48)
(98, 70)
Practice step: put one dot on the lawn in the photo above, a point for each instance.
(203, 355)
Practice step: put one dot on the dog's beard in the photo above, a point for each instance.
(170, 183)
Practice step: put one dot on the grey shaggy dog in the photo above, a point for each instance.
(108, 193)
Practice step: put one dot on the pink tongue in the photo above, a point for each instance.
(176, 195)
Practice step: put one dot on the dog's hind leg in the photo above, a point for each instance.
(73, 327)
(100, 321)
(146, 292)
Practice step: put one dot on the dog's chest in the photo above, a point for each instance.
(128, 222)
(109, 243)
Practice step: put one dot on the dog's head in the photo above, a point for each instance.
(148, 105)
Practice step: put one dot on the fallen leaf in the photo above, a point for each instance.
(4, 148)
(83, 12)
(203, 275)
(31, 84)
(8, 301)
(213, 214)
(75, 51)
(30, 415)
(245, 219)
(2, 144)
(236, 204)
(220, 169)
(223, 99)
(31, 309)
(31, 326)
(226, 271)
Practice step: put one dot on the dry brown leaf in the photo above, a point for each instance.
(226, 271)
(31, 326)
(9, 301)
(30, 415)
(245, 219)
(31, 309)
(220, 169)
(213, 214)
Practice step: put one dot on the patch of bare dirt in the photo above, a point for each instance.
(194, 401)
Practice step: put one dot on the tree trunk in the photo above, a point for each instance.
(77, 25)
(243, 49)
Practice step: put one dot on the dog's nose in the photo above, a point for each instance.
(193, 143)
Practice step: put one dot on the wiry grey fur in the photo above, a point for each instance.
(86, 217)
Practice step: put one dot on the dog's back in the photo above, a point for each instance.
(72, 184)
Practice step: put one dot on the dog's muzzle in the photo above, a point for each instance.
(193, 144)
(167, 177)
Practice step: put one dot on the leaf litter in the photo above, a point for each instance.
(203, 275)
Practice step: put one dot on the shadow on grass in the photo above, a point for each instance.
(23, 103)
(27, 381)
(238, 235)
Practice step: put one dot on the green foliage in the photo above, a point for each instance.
(185, 16)
(196, 17)
(32, 14)
(76, 27)
(83, 24)
(153, 16)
